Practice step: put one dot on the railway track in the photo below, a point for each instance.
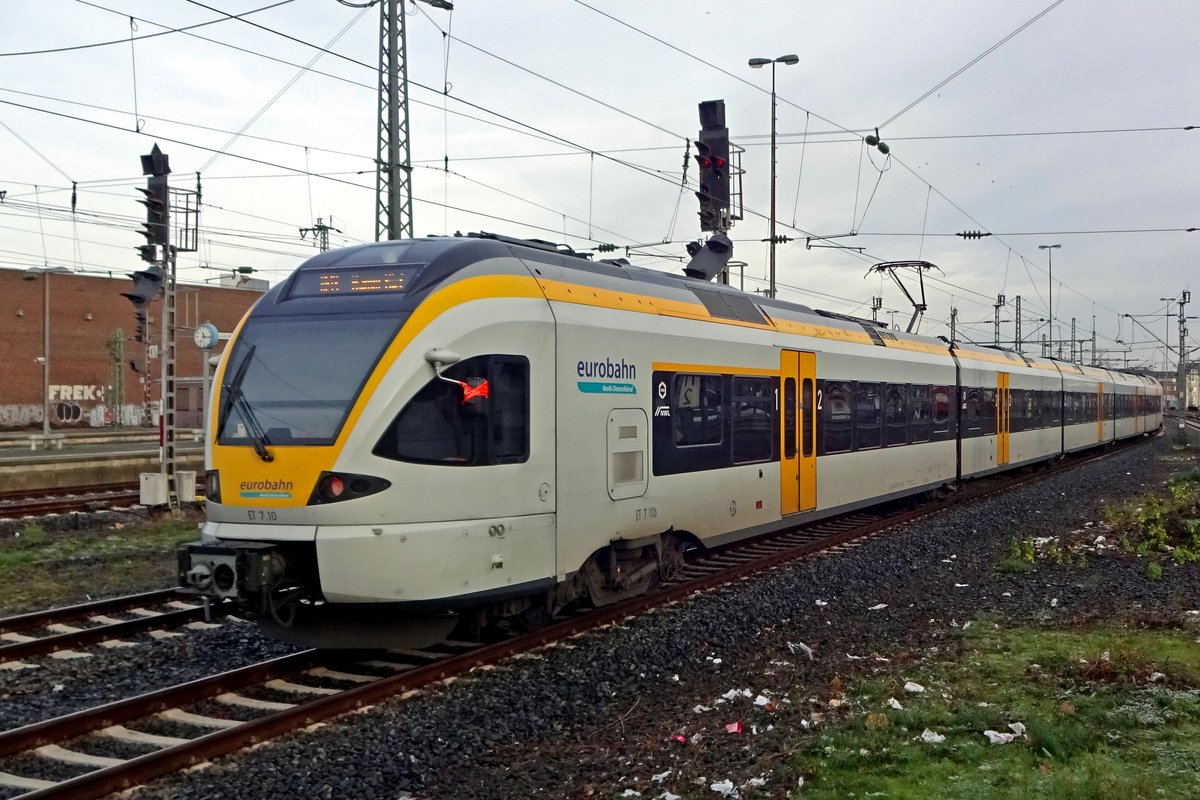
(61, 630)
(68, 499)
(247, 706)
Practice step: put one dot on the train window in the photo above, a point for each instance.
(1068, 407)
(837, 416)
(1032, 410)
(789, 418)
(895, 413)
(1051, 410)
(441, 426)
(972, 411)
(300, 377)
(987, 411)
(699, 412)
(918, 426)
(1016, 410)
(867, 416)
(806, 418)
(753, 403)
(943, 401)
(508, 410)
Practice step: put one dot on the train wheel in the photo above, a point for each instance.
(671, 567)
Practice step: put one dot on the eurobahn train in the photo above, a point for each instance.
(475, 430)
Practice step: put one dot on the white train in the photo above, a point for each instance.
(416, 434)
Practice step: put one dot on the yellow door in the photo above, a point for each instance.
(797, 432)
(1003, 417)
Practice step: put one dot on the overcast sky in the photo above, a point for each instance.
(567, 120)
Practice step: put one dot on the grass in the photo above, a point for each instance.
(40, 569)
(1099, 722)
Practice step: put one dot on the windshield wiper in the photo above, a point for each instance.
(257, 437)
(232, 396)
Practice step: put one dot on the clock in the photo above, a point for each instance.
(205, 335)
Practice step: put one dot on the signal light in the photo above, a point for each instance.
(712, 157)
(147, 285)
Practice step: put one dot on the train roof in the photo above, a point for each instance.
(427, 262)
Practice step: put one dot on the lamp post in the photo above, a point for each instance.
(756, 63)
(32, 274)
(1050, 248)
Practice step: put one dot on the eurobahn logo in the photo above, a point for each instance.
(272, 489)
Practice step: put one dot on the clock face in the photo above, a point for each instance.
(205, 336)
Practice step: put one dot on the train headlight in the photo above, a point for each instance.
(334, 487)
(212, 485)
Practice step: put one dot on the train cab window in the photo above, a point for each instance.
(699, 412)
(868, 416)
(895, 413)
(835, 406)
(476, 414)
(920, 420)
(751, 423)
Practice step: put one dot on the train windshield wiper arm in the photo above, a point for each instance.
(232, 396)
(257, 437)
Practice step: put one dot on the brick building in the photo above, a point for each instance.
(92, 349)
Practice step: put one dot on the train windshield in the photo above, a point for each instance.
(292, 381)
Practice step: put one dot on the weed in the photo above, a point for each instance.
(1154, 571)
(32, 535)
(1013, 566)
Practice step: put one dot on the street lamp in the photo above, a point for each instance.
(1050, 248)
(791, 58)
(31, 274)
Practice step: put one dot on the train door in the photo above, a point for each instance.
(1138, 427)
(797, 447)
(1003, 417)
(1099, 412)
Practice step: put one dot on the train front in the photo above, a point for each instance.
(348, 408)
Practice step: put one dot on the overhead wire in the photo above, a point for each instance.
(107, 43)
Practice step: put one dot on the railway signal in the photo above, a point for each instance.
(147, 286)
(712, 157)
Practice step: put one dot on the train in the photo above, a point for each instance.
(411, 437)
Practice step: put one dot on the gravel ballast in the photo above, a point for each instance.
(605, 713)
